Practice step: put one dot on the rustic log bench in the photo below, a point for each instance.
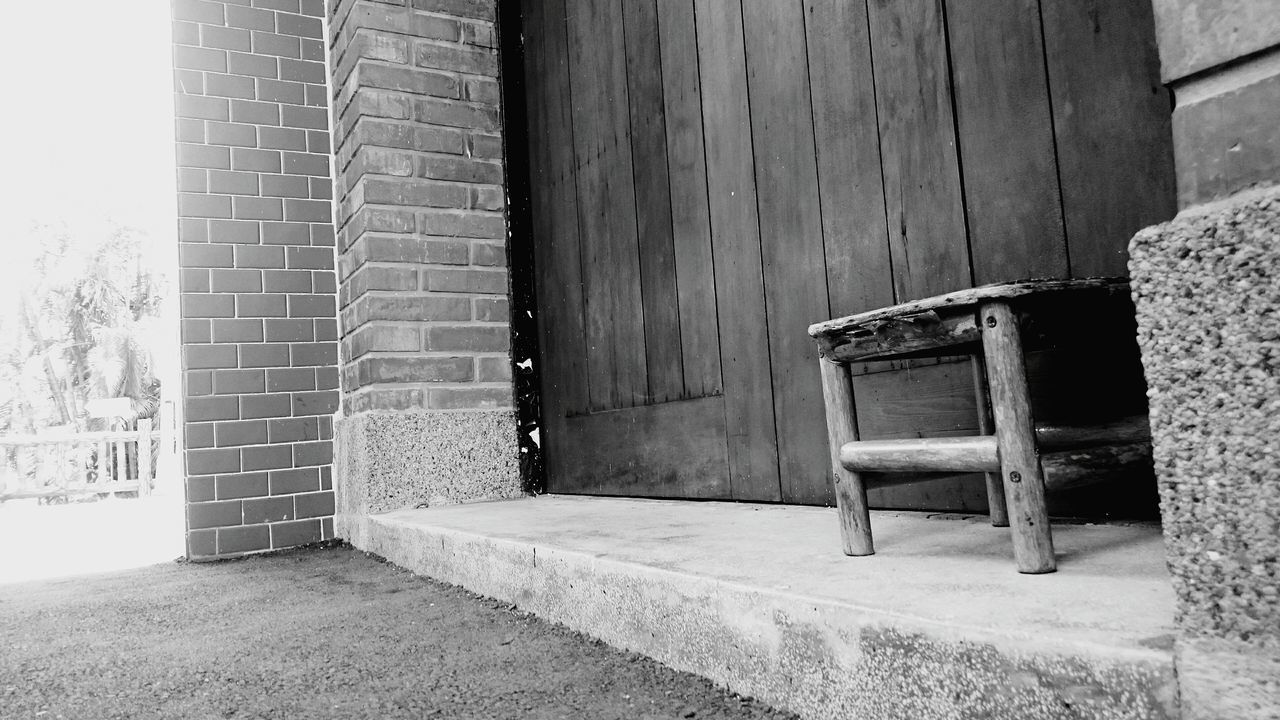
(995, 324)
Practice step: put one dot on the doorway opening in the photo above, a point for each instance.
(90, 476)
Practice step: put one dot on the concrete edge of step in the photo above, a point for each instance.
(816, 656)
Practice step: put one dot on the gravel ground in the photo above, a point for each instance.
(316, 633)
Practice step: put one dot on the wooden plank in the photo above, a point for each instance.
(921, 333)
(735, 233)
(553, 199)
(674, 449)
(1006, 140)
(662, 331)
(859, 272)
(962, 299)
(1111, 119)
(690, 213)
(851, 495)
(918, 149)
(1015, 432)
(606, 205)
(791, 243)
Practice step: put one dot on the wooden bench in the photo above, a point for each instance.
(995, 324)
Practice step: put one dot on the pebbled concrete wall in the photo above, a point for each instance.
(1208, 301)
(389, 461)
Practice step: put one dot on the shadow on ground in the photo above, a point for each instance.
(316, 633)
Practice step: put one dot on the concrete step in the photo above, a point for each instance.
(937, 624)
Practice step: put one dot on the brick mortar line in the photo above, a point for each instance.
(336, 33)
(203, 71)
(432, 209)
(413, 178)
(410, 123)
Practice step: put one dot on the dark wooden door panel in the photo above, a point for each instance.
(617, 375)
(735, 237)
(553, 195)
(846, 135)
(790, 238)
(711, 176)
(1006, 140)
(690, 214)
(674, 449)
(927, 401)
(662, 330)
(918, 148)
(1111, 117)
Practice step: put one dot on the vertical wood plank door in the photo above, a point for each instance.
(708, 177)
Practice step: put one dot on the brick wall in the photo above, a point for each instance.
(422, 254)
(258, 286)
(421, 228)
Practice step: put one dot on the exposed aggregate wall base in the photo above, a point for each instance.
(1207, 293)
(387, 461)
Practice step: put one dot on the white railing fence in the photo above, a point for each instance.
(76, 464)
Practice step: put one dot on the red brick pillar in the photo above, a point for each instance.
(426, 371)
(257, 273)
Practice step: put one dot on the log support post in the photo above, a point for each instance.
(851, 495)
(1016, 439)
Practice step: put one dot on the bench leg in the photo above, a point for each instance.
(995, 485)
(851, 496)
(1015, 436)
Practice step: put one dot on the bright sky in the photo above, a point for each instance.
(87, 120)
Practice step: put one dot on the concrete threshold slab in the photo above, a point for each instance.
(937, 624)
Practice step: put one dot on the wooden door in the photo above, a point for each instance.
(708, 177)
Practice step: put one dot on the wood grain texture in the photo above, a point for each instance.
(674, 449)
(851, 495)
(918, 149)
(1015, 433)
(963, 300)
(1111, 118)
(927, 333)
(974, 453)
(924, 401)
(859, 273)
(790, 237)
(553, 198)
(996, 506)
(744, 343)
(1006, 140)
(690, 214)
(669, 134)
(606, 205)
(662, 342)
